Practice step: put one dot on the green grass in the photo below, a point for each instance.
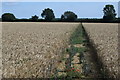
(76, 38)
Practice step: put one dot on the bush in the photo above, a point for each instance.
(69, 16)
(8, 17)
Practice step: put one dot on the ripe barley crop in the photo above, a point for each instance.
(104, 36)
(33, 49)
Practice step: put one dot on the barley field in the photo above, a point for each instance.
(104, 36)
(32, 49)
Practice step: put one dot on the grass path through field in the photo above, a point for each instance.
(77, 61)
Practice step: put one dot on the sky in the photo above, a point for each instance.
(60, 0)
(82, 9)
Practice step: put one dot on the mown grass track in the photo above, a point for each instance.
(79, 63)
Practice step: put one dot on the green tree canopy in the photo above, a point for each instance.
(69, 16)
(8, 17)
(48, 14)
(109, 13)
(34, 18)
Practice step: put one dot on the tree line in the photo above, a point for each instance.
(68, 16)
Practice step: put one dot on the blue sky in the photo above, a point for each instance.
(82, 9)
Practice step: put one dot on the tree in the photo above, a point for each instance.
(8, 17)
(69, 16)
(34, 18)
(109, 13)
(48, 14)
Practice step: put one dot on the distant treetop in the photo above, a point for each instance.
(69, 16)
(34, 18)
(109, 13)
(8, 17)
(48, 14)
